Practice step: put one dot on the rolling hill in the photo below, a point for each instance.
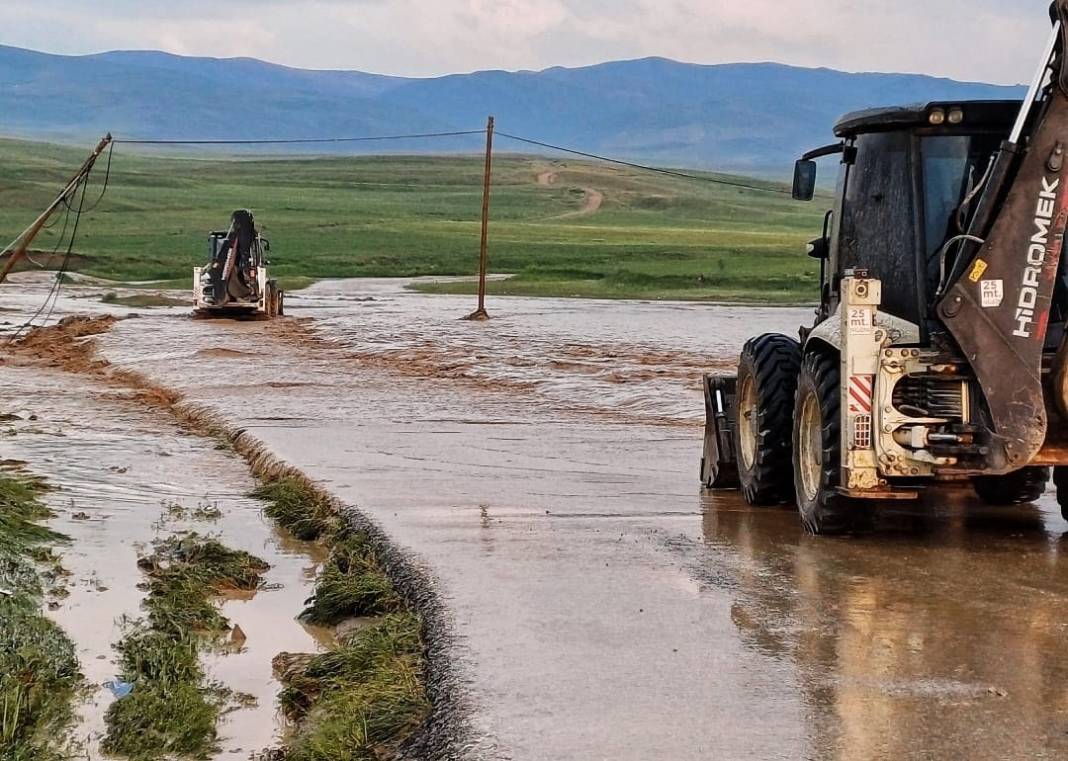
(741, 117)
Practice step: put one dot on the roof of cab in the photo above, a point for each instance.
(986, 114)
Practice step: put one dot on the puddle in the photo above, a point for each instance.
(116, 469)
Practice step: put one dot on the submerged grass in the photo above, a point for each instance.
(365, 699)
(171, 709)
(39, 672)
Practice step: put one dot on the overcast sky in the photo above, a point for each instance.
(993, 40)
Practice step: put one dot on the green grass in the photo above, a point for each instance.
(367, 697)
(39, 670)
(351, 584)
(361, 701)
(172, 710)
(298, 509)
(654, 237)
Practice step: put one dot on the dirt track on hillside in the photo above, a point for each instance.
(591, 204)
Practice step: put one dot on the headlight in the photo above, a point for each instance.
(937, 117)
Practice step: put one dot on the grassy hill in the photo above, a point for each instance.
(562, 227)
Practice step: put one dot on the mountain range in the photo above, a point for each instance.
(742, 117)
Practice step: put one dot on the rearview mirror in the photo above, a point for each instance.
(819, 249)
(804, 180)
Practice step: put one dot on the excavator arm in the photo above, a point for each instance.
(999, 295)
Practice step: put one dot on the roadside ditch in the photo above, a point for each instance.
(384, 689)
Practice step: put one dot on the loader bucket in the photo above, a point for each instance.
(719, 462)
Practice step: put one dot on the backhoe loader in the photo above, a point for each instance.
(939, 351)
(235, 282)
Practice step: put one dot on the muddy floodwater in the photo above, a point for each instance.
(121, 478)
(542, 468)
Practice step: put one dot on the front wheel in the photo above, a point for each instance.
(767, 378)
(817, 448)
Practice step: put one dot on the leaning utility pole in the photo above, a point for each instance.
(483, 258)
(17, 250)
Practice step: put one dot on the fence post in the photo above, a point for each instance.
(483, 256)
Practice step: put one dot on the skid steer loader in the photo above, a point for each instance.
(939, 350)
(235, 280)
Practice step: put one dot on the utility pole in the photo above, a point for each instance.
(22, 243)
(483, 259)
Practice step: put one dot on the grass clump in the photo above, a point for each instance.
(39, 671)
(185, 573)
(351, 584)
(363, 700)
(171, 710)
(156, 721)
(298, 509)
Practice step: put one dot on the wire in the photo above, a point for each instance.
(942, 258)
(52, 297)
(304, 141)
(632, 165)
(462, 133)
(107, 179)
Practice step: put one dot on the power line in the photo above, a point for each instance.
(632, 165)
(306, 141)
(460, 133)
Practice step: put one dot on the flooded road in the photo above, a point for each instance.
(542, 467)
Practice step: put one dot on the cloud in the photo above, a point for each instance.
(994, 40)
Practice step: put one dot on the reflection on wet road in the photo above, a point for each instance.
(939, 635)
(542, 467)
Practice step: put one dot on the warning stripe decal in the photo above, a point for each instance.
(861, 391)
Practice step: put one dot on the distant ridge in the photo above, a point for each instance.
(750, 117)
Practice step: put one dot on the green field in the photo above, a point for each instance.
(654, 236)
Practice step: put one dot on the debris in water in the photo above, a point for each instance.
(237, 636)
(119, 689)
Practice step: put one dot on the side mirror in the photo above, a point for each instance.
(819, 249)
(804, 180)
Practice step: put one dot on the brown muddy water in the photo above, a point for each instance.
(122, 477)
(542, 468)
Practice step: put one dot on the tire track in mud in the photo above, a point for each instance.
(446, 736)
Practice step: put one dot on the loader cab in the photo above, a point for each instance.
(905, 174)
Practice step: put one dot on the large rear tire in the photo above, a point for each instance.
(1017, 488)
(271, 301)
(1060, 480)
(767, 380)
(817, 444)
